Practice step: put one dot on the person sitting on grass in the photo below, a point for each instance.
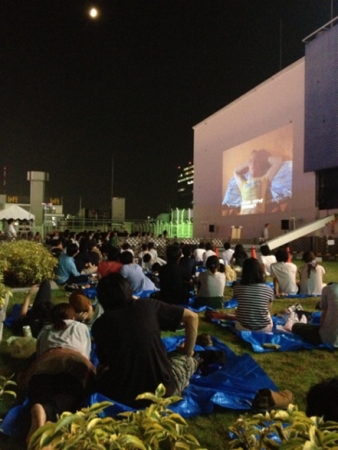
(112, 265)
(284, 274)
(266, 259)
(311, 275)
(327, 331)
(66, 270)
(85, 311)
(254, 299)
(57, 380)
(38, 314)
(134, 274)
(211, 285)
(128, 341)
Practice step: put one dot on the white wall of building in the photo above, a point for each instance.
(272, 105)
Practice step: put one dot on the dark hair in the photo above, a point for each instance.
(282, 255)
(114, 291)
(186, 250)
(310, 259)
(212, 263)
(150, 245)
(155, 267)
(252, 272)
(173, 253)
(146, 257)
(201, 245)
(126, 257)
(240, 252)
(322, 400)
(144, 247)
(72, 249)
(113, 254)
(227, 245)
(125, 246)
(265, 250)
(60, 313)
(221, 268)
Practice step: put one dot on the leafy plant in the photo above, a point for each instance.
(4, 291)
(289, 430)
(4, 383)
(154, 428)
(24, 263)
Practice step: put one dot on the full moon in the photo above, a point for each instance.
(93, 13)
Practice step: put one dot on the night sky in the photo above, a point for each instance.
(77, 92)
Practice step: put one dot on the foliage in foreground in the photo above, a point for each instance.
(24, 263)
(289, 430)
(155, 427)
(4, 383)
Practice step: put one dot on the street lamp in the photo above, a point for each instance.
(94, 13)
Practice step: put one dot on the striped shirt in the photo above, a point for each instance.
(253, 305)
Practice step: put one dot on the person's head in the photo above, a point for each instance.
(125, 246)
(308, 257)
(150, 245)
(282, 255)
(113, 254)
(239, 251)
(322, 400)
(186, 250)
(144, 247)
(155, 267)
(9, 221)
(265, 250)
(72, 249)
(201, 245)
(252, 272)
(173, 253)
(266, 225)
(80, 303)
(60, 313)
(258, 163)
(227, 245)
(212, 264)
(114, 292)
(126, 257)
(146, 258)
(209, 246)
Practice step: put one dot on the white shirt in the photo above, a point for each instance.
(211, 284)
(206, 256)
(198, 254)
(312, 285)
(74, 337)
(286, 276)
(11, 231)
(227, 255)
(267, 261)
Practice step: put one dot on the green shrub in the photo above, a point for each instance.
(154, 428)
(24, 263)
(292, 428)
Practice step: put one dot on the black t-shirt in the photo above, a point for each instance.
(174, 283)
(129, 341)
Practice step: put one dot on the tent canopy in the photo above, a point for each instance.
(17, 213)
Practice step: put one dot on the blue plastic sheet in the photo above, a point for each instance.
(233, 386)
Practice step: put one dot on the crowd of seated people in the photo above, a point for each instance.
(63, 331)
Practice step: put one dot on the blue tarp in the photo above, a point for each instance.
(233, 386)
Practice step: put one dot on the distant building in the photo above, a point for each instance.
(185, 186)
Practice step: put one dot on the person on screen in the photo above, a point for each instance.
(261, 169)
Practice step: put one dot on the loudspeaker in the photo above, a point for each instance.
(211, 228)
(284, 224)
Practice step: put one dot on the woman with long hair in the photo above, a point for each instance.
(238, 258)
(254, 298)
(211, 285)
(311, 275)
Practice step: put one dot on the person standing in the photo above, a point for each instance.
(12, 234)
(265, 233)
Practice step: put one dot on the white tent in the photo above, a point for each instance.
(17, 213)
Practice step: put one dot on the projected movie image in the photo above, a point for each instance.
(257, 175)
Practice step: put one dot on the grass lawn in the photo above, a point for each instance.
(296, 371)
